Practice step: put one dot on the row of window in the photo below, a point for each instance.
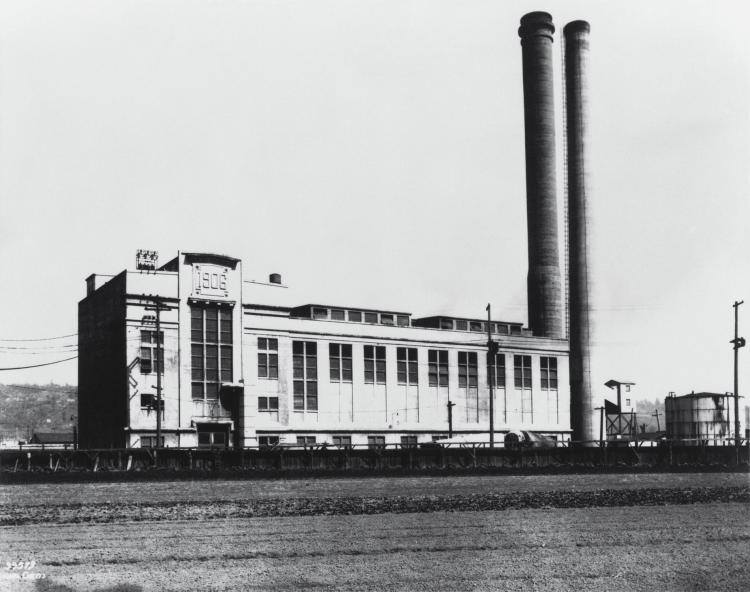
(479, 326)
(342, 441)
(358, 316)
(407, 362)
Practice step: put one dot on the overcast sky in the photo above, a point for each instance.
(372, 153)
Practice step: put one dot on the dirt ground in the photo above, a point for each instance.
(685, 547)
(213, 490)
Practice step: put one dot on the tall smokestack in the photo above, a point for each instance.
(579, 292)
(544, 291)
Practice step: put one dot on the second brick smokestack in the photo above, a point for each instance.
(579, 232)
(544, 290)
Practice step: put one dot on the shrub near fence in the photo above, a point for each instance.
(326, 460)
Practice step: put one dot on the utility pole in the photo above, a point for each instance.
(450, 418)
(159, 361)
(491, 351)
(656, 415)
(159, 357)
(738, 342)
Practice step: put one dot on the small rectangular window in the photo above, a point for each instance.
(269, 404)
(376, 441)
(337, 314)
(355, 316)
(371, 317)
(386, 319)
(342, 441)
(408, 441)
(320, 314)
(475, 326)
(305, 440)
(150, 441)
(446, 324)
(268, 441)
(462, 325)
(402, 321)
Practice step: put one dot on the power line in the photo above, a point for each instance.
(39, 347)
(44, 338)
(39, 388)
(39, 365)
(38, 353)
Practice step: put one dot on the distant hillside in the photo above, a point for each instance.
(27, 408)
(645, 410)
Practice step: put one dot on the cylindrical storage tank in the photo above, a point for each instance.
(582, 412)
(701, 418)
(544, 288)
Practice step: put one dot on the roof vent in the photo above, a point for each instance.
(274, 278)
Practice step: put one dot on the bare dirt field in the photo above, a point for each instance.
(214, 490)
(674, 546)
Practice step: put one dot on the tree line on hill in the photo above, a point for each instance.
(29, 408)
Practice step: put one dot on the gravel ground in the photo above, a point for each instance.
(38, 494)
(64, 513)
(676, 548)
(641, 532)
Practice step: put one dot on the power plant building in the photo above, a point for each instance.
(243, 365)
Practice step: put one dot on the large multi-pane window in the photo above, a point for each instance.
(268, 357)
(467, 369)
(522, 379)
(150, 351)
(437, 364)
(548, 368)
(497, 371)
(211, 349)
(305, 365)
(375, 364)
(340, 359)
(522, 371)
(406, 365)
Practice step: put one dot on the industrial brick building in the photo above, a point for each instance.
(243, 366)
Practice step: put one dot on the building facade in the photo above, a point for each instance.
(240, 364)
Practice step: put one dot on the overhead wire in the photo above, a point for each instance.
(39, 388)
(43, 338)
(40, 365)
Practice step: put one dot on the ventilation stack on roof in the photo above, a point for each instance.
(544, 287)
(576, 35)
